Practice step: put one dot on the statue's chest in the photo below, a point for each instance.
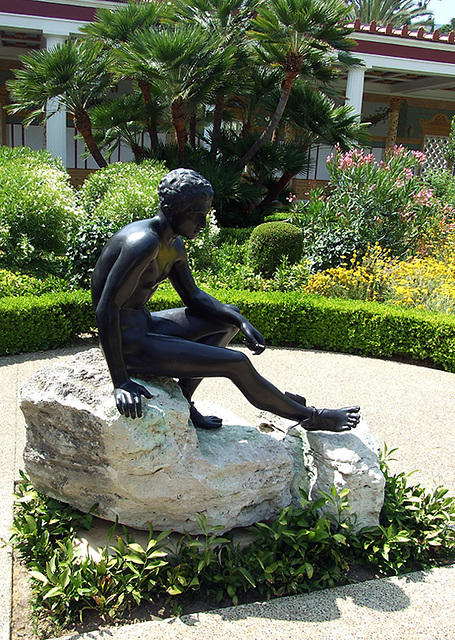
(161, 267)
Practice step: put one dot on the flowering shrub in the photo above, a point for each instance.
(355, 280)
(122, 192)
(369, 202)
(19, 284)
(111, 198)
(419, 282)
(201, 250)
(37, 209)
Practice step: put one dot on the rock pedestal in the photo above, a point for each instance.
(160, 469)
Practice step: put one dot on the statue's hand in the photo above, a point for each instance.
(128, 398)
(252, 338)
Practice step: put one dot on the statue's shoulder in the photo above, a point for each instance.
(139, 232)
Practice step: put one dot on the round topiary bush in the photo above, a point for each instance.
(270, 242)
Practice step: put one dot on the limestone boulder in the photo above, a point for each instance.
(323, 460)
(156, 469)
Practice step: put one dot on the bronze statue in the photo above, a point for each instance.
(187, 343)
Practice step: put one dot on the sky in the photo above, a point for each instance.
(443, 10)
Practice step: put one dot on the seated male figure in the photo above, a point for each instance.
(189, 343)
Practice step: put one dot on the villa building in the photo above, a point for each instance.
(406, 86)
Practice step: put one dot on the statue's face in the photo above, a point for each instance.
(190, 219)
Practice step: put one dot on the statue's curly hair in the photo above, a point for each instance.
(183, 185)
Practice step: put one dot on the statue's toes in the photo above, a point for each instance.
(208, 422)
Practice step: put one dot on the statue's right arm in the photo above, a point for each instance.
(125, 266)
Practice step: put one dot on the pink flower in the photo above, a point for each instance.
(345, 161)
(419, 156)
(399, 150)
(423, 197)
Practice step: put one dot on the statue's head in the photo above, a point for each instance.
(185, 199)
(181, 187)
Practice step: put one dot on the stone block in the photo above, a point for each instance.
(158, 468)
(323, 460)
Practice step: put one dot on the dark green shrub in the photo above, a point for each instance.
(84, 249)
(110, 199)
(37, 209)
(443, 185)
(270, 242)
(232, 235)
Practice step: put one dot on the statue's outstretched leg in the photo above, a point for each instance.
(192, 360)
(328, 419)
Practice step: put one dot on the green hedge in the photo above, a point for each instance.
(346, 326)
(32, 323)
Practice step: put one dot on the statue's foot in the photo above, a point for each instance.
(337, 420)
(204, 422)
(294, 396)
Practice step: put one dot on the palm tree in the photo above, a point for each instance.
(447, 28)
(230, 20)
(397, 12)
(121, 120)
(74, 73)
(182, 61)
(255, 98)
(316, 120)
(115, 28)
(303, 38)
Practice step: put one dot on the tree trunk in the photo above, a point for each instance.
(192, 133)
(217, 121)
(275, 190)
(178, 118)
(138, 152)
(266, 135)
(83, 124)
(151, 126)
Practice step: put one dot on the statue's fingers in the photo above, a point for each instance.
(126, 408)
(120, 405)
(138, 406)
(132, 405)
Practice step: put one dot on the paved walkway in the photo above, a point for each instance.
(407, 407)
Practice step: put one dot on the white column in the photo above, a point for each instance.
(354, 88)
(56, 125)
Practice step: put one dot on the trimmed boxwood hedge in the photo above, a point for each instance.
(32, 323)
(285, 319)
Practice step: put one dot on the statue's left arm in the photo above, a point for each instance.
(206, 305)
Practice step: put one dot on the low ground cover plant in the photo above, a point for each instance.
(300, 551)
